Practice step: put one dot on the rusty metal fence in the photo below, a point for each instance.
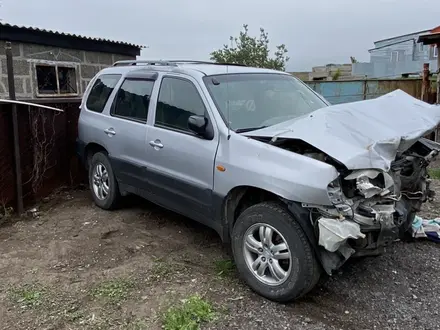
(47, 150)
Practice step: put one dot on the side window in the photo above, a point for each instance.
(101, 90)
(178, 100)
(133, 98)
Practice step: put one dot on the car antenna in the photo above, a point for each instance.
(227, 101)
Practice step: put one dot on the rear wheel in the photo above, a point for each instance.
(272, 253)
(103, 184)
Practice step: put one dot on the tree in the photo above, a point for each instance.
(251, 51)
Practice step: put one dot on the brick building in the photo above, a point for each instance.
(50, 64)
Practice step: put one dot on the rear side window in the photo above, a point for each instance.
(101, 90)
(132, 99)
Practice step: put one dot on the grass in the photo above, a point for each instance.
(434, 173)
(113, 291)
(28, 296)
(189, 315)
(225, 267)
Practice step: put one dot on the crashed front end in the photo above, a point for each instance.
(372, 208)
(377, 148)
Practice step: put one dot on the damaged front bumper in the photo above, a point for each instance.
(372, 208)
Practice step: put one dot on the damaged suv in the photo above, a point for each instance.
(295, 185)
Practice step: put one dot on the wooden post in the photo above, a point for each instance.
(438, 74)
(426, 84)
(11, 85)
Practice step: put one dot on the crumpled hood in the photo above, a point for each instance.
(364, 134)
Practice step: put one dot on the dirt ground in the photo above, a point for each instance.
(78, 267)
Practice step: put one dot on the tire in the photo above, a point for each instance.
(109, 200)
(302, 271)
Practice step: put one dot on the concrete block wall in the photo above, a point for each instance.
(27, 56)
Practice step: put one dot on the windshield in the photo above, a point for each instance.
(260, 100)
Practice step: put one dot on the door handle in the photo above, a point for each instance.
(156, 144)
(110, 131)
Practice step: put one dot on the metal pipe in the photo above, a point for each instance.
(17, 160)
(36, 105)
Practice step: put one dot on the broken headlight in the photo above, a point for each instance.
(370, 183)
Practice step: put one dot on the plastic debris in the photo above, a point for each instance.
(429, 229)
(334, 233)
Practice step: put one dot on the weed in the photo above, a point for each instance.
(28, 295)
(136, 324)
(162, 269)
(225, 267)
(73, 314)
(434, 173)
(114, 291)
(189, 315)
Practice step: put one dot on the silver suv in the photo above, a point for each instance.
(294, 185)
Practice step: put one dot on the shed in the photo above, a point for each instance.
(52, 64)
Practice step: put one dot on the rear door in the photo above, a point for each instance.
(126, 129)
(179, 163)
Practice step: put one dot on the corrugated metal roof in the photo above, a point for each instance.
(30, 28)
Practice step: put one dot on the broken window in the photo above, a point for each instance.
(56, 80)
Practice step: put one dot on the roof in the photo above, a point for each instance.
(430, 38)
(27, 34)
(403, 35)
(201, 68)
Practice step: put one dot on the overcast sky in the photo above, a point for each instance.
(316, 32)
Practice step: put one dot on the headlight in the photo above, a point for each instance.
(371, 182)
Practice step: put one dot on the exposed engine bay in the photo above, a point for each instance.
(371, 208)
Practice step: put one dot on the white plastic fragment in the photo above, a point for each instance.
(333, 233)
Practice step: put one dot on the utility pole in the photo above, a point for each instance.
(11, 85)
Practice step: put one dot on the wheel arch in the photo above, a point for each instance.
(91, 149)
(237, 200)
(241, 197)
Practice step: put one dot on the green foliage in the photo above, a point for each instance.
(434, 173)
(189, 315)
(251, 51)
(225, 267)
(114, 291)
(28, 296)
(336, 75)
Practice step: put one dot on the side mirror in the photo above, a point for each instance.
(198, 125)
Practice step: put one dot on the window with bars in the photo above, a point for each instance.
(56, 80)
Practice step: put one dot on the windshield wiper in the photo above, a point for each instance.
(248, 129)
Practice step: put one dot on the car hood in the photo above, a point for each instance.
(364, 134)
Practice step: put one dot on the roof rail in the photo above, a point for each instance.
(145, 62)
(169, 63)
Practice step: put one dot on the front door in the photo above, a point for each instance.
(180, 164)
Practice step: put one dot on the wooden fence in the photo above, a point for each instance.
(47, 150)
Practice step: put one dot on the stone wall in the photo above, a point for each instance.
(27, 56)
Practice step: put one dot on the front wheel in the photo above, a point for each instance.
(272, 253)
